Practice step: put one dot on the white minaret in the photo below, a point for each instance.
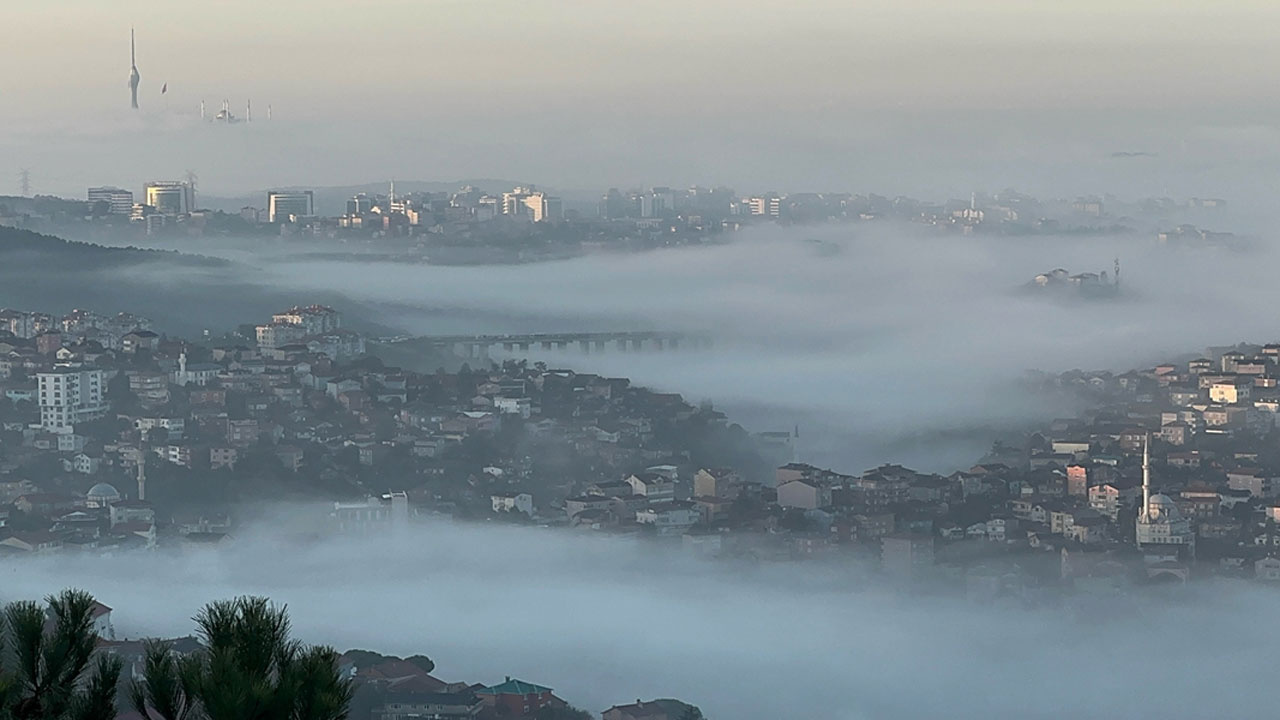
(142, 474)
(182, 364)
(1146, 476)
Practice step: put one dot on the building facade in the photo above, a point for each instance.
(119, 201)
(289, 205)
(69, 396)
(170, 197)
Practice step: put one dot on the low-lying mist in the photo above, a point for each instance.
(883, 343)
(876, 340)
(604, 621)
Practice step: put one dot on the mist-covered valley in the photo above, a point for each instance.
(883, 343)
(877, 342)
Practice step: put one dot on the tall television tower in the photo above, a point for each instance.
(133, 71)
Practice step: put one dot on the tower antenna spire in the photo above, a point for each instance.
(134, 77)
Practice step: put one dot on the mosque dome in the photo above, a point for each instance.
(102, 494)
(1163, 507)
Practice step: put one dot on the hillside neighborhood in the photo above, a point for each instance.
(117, 437)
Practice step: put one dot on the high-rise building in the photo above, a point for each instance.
(513, 200)
(289, 205)
(539, 207)
(119, 201)
(534, 204)
(768, 205)
(170, 197)
(70, 395)
(359, 204)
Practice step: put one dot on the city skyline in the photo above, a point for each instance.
(444, 91)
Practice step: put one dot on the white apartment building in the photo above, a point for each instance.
(313, 319)
(279, 334)
(70, 395)
(119, 201)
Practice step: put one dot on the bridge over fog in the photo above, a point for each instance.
(586, 342)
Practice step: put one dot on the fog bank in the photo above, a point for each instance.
(867, 334)
(606, 621)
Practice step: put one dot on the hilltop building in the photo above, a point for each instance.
(289, 205)
(119, 201)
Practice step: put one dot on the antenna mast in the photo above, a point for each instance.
(24, 181)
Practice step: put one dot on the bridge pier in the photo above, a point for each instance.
(508, 346)
(585, 347)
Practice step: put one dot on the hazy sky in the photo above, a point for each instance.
(921, 95)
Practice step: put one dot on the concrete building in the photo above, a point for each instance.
(119, 201)
(313, 319)
(808, 494)
(289, 205)
(541, 207)
(151, 388)
(670, 518)
(531, 203)
(170, 197)
(768, 205)
(278, 334)
(513, 502)
(654, 486)
(69, 396)
(390, 510)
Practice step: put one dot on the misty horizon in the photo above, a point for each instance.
(887, 360)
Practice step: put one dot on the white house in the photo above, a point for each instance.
(521, 406)
(513, 502)
(655, 487)
(671, 518)
(101, 615)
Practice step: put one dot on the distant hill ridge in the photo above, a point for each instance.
(74, 255)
